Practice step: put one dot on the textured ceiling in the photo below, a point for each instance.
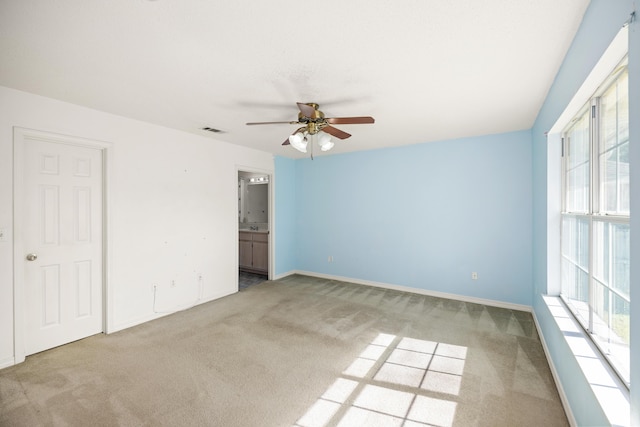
(425, 69)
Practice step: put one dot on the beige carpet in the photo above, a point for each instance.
(300, 351)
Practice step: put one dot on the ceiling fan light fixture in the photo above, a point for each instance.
(299, 141)
(324, 141)
(327, 146)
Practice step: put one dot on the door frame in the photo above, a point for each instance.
(270, 213)
(20, 135)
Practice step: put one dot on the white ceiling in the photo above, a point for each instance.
(426, 70)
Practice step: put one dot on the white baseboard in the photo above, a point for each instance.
(283, 275)
(149, 317)
(465, 298)
(5, 363)
(554, 373)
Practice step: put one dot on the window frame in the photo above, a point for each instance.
(595, 213)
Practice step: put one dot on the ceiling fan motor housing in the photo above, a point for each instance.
(315, 122)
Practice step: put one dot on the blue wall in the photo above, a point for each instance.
(423, 216)
(601, 23)
(285, 215)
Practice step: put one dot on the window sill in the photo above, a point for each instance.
(609, 391)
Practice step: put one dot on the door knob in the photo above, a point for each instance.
(32, 257)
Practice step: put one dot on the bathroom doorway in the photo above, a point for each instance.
(254, 234)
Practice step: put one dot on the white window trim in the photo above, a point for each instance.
(609, 391)
(611, 403)
(592, 108)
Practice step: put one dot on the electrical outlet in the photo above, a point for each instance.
(474, 276)
(330, 259)
(173, 283)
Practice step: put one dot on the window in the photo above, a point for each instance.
(595, 219)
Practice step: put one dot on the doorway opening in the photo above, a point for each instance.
(254, 238)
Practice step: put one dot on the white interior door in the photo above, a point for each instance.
(62, 239)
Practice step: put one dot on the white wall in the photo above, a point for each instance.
(172, 211)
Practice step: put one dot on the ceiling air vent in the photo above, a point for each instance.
(214, 130)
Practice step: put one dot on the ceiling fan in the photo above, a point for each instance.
(315, 123)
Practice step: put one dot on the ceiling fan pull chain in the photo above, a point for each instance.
(313, 139)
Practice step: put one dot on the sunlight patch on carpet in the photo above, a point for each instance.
(394, 381)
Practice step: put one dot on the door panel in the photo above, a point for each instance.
(82, 286)
(63, 230)
(50, 290)
(82, 210)
(49, 216)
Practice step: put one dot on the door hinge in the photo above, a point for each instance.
(562, 148)
(593, 111)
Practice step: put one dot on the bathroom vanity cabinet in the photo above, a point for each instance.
(254, 251)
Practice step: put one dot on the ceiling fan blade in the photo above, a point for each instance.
(336, 132)
(272, 123)
(350, 120)
(306, 110)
